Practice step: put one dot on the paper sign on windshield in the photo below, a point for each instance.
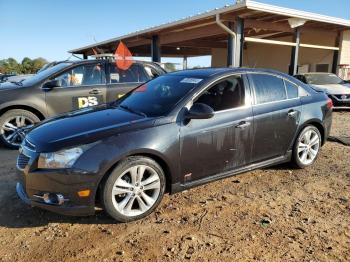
(191, 80)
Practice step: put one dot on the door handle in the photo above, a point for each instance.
(95, 92)
(243, 125)
(292, 113)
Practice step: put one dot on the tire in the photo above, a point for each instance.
(13, 124)
(307, 147)
(123, 197)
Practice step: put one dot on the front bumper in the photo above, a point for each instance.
(34, 183)
(74, 210)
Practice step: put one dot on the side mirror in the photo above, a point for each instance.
(52, 84)
(200, 111)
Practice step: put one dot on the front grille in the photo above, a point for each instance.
(342, 97)
(22, 161)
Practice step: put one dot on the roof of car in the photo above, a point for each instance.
(211, 72)
(99, 60)
(316, 73)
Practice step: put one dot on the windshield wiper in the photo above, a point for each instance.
(17, 83)
(133, 110)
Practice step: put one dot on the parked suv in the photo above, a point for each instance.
(175, 132)
(63, 87)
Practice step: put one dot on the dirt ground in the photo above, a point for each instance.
(273, 214)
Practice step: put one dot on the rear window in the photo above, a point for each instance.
(159, 96)
(268, 88)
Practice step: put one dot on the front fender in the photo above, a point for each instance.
(160, 141)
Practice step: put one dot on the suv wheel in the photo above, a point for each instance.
(133, 189)
(307, 147)
(13, 126)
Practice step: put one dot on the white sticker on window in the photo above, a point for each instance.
(191, 80)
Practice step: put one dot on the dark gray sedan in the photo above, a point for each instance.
(175, 132)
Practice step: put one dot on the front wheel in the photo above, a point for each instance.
(133, 189)
(307, 147)
(13, 126)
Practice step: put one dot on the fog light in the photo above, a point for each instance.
(84, 193)
(53, 199)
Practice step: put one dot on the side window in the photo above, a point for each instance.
(134, 74)
(151, 72)
(83, 75)
(224, 95)
(268, 88)
(292, 89)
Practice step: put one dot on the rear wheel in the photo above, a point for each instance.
(133, 189)
(307, 147)
(13, 126)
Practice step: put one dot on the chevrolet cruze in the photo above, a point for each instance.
(175, 132)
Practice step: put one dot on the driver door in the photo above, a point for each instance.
(223, 142)
(81, 87)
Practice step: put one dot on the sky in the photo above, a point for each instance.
(49, 28)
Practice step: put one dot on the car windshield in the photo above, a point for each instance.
(323, 79)
(46, 73)
(159, 96)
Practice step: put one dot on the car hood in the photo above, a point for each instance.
(335, 89)
(84, 127)
(8, 85)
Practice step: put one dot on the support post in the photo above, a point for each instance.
(293, 68)
(155, 49)
(336, 55)
(239, 29)
(184, 64)
(231, 46)
(85, 56)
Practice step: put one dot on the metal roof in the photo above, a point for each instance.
(247, 4)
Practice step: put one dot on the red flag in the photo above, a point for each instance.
(123, 57)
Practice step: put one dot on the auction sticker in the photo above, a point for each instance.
(191, 80)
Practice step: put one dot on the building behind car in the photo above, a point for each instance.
(249, 34)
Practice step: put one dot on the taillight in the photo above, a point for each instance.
(329, 103)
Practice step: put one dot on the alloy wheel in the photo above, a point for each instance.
(308, 147)
(136, 190)
(14, 129)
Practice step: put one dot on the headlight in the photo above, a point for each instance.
(61, 159)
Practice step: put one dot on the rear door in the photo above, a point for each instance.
(121, 81)
(276, 115)
(81, 86)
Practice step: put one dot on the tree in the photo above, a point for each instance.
(38, 63)
(11, 65)
(27, 66)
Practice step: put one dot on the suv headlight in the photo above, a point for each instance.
(61, 159)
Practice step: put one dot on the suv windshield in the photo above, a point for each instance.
(323, 79)
(46, 73)
(159, 96)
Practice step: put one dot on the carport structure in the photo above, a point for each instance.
(247, 33)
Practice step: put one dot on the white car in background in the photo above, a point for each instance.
(336, 88)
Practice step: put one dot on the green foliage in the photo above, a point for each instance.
(27, 66)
